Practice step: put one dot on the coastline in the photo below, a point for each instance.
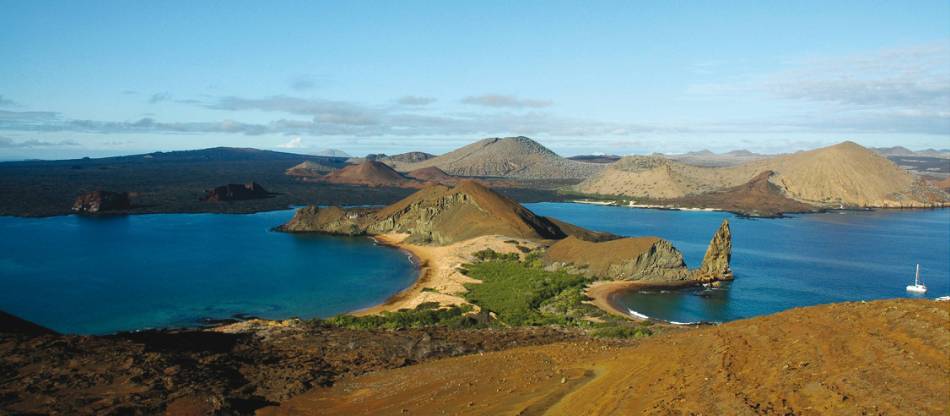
(403, 298)
(604, 295)
(439, 279)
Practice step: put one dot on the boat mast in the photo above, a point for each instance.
(917, 276)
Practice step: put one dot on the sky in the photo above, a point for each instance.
(99, 78)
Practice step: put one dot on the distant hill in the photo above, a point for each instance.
(757, 198)
(309, 168)
(369, 173)
(903, 151)
(595, 158)
(331, 153)
(511, 157)
(710, 159)
(843, 174)
(432, 174)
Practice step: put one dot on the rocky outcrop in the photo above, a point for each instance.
(329, 220)
(102, 201)
(633, 258)
(436, 214)
(650, 259)
(715, 266)
(236, 192)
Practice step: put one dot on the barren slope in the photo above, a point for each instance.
(512, 157)
(883, 357)
(370, 173)
(843, 174)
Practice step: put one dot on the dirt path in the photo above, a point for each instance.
(886, 357)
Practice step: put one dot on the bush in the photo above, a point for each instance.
(515, 291)
(426, 314)
(489, 254)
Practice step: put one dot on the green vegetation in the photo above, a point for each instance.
(426, 314)
(489, 254)
(518, 292)
(515, 292)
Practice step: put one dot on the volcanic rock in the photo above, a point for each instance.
(236, 192)
(369, 173)
(101, 201)
(715, 264)
(436, 214)
(634, 258)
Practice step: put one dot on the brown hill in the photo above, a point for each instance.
(432, 174)
(943, 184)
(309, 168)
(369, 173)
(435, 214)
(844, 174)
(881, 357)
(510, 157)
(657, 177)
(757, 198)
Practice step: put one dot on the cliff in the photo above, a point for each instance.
(634, 258)
(101, 201)
(650, 259)
(715, 264)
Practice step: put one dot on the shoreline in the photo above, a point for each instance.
(439, 279)
(423, 276)
(604, 295)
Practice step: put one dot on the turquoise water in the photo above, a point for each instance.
(99, 275)
(784, 263)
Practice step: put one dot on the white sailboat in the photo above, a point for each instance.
(917, 287)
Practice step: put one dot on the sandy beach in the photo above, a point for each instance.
(439, 279)
(605, 294)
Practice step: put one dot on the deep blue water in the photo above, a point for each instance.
(99, 275)
(784, 263)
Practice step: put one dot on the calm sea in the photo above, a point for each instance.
(784, 263)
(99, 275)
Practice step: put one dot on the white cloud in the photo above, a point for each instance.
(294, 143)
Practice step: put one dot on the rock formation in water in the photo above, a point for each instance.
(633, 258)
(102, 201)
(236, 192)
(715, 264)
(329, 220)
(437, 214)
(640, 258)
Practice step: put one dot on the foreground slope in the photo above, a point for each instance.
(844, 174)
(882, 357)
(511, 157)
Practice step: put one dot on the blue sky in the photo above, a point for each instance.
(102, 78)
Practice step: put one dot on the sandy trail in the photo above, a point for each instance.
(885, 357)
